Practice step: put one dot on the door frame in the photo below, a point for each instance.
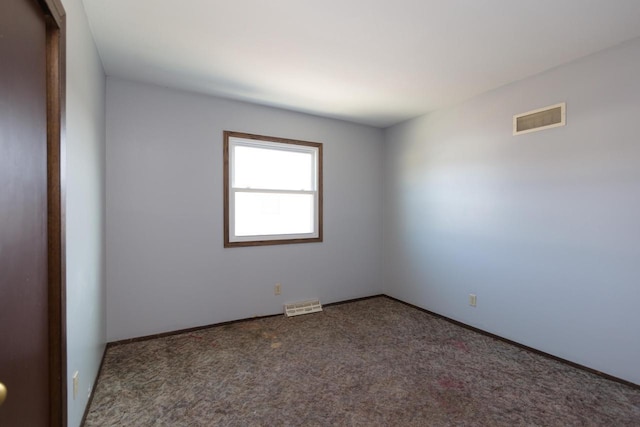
(55, 19)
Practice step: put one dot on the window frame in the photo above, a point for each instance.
(230, 240)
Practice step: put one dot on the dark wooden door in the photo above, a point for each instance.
(24, 336)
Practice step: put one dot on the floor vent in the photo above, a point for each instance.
(542, 118)
(304, 307)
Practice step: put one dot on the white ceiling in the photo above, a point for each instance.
(376, 62)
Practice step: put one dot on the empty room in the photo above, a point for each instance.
(368, 213)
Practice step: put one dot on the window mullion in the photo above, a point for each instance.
(271, 191)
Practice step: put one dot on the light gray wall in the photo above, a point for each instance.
(85, 202)
(543, 227)
(166, 265)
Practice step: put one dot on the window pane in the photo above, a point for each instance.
(269, 213)
(272, 169)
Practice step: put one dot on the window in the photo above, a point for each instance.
(272, 190)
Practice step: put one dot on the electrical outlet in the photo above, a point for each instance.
(89, 392)
(277, 290)
(76, 374)
(472, 300)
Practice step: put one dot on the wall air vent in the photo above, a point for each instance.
(542, 118)
(304, 307)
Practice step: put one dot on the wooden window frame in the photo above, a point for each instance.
(227, 135)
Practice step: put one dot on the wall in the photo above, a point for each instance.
(166, 265)
(543, 227)
(85, 186)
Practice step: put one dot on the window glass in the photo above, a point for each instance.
(273, 213)
(272, 168)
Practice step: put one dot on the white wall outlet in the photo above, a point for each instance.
(89, 392)
(277, 290)
(472, 300)
(76, 374)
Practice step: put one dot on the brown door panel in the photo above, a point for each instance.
(24, 368)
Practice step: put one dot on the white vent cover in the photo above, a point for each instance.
(542, 118)
(303, 307)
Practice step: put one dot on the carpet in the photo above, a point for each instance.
(374, 362)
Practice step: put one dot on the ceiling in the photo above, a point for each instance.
(376, 62)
